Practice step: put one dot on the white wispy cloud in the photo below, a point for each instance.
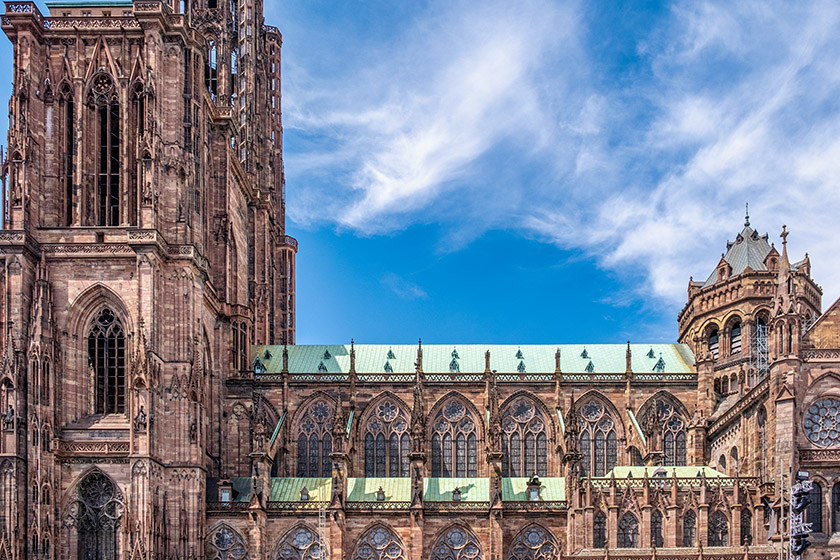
(496, 116)
(403, 288)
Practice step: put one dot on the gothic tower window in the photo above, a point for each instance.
(225, 543)
(106, 357)
(689, 528)
(103, 99)
(735, 338)
(524, 442)
(211, 75)
(673, 430)
(454, 441)
(95, 510)
(456, 544)
(301, 543)
(598, 439)
(67, 142)
(45, 382)
(387, 442)
(656, 529)
(314, 443)
(718, 529)
(379, 543)
(714, 340)
(628, 531)
(835, 508)
(533, 543)
(599, 531)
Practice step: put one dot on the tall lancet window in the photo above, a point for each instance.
(106, 357)
(95, 510)
(454, 441)
(66, 147)
(598, 439)
(104, 100)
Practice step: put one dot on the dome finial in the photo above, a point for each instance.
(747, 216)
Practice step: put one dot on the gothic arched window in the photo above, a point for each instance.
(822, 422)
(225, 543)
(673, 431)
(718, 529)
(656, 529)
(813, 514)
(689, 528)
(106, 356)
(746, 526)
(387, 442)
(835, 508)
(598, 440)
(379, 543)
(524, 443)
(96, 510)
(456, 544)
(628, 531)
(599, 530)
(45, 382)
(67, 142)
(714, 339)
(314, 440)
(454, 441)
(533, 543)
(301, 543)
(103, 98)
(735, 338)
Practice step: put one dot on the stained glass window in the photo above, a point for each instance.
(453, 429)
(822, 422)
(628, 531)
(718, 529)
(387, 420)
(533, 543)
(656, 529)
(813, 514)
(673, 430)
(225, 543)
(96, 510)
(599, 531)
(746, 526)
(456, 544)
(314, 440)
(301, 543)
(524, 439)
(597, 424)
(379, 543)
(689, 528)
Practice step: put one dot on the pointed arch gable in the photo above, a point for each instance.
(88, 303)
(608, 405)
(223, 542)
(466, 402)
(65, 499)
(297, 543)
(822, 378)
(307, 402)
(458, 542)
(663, 396)
(539, 403)
(377, 542)
(533, 542)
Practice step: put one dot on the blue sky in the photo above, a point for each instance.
(539, 172)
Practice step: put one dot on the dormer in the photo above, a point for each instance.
(771, 261)
(724, 270)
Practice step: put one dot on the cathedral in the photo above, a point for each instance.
(154, 404)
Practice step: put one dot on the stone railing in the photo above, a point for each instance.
(664, 483)
(708, 553)
(377, 506)
(473, 378)
(93, 448)
(297, 506)
(547, 505)
(226, 507)
(90, 23)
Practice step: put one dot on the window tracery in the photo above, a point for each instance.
(315, 440)
(718, 529)
(628, 531)
(598, 439)
(534, 543)
(225, 543)
(599, 531)
(746, 527)
(689, 528)
(656, 530)
(524, 440)
(379, 543)
(456, 544)
(106, 356)
(822, 422)
(387, 442)
(454, 441)
(301, 543)
(96, 510)
(673, 431)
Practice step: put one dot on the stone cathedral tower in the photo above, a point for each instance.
(143, 252)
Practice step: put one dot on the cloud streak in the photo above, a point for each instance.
(504, 116)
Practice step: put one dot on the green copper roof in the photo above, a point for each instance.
(288, 489)
(365, 489)
(472, 489)
(438, 358)
(682, 472)
(552, 488)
